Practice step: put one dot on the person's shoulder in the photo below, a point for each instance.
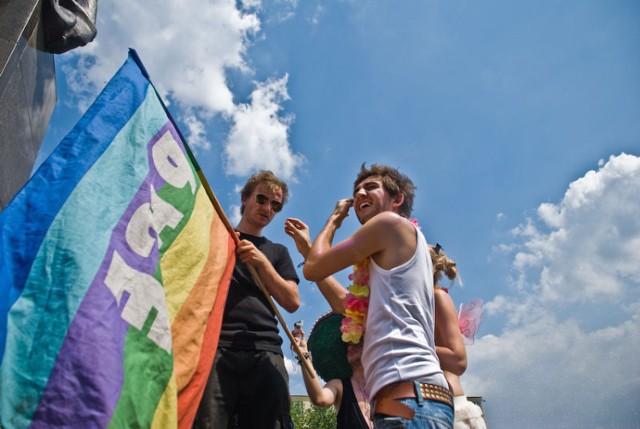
(391, 227)
(441, 291)
(389, 219)
(260, 240)
(337, 385)
(272, 246)
(252, 238)
(442, 298)
(440, 294)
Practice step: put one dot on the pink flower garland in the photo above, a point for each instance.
(356, 304)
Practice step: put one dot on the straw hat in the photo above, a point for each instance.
(328, 351)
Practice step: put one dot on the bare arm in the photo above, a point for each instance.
(449, 343)
(326, 396)
(387, 237)
(330, 288)
(285, 292)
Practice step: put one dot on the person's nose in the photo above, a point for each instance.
(267, 208)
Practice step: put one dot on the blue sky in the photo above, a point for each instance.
(518, 121)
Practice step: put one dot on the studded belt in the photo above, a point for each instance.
(385, 400)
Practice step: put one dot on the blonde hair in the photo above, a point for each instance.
(442, 264)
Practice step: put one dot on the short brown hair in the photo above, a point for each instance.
(393, 182)
(264, 177)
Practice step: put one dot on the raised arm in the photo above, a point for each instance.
(387, 237)
(330, 288)
(326, 396)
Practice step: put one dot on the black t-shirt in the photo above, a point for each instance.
(249, 323)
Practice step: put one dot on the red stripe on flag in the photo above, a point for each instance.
(190, 395)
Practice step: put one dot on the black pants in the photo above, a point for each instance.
(247, 389)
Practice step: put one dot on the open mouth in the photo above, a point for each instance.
(364, 205)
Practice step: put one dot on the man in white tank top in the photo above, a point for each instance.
(402, 370)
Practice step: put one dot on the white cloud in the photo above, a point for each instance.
(281, 10)
(317, 15)
(259, 136)
(592, 247)
(567, 355)
(188, 47)
(552, 374)
(291, 365)
(197, 133)
(234, 213)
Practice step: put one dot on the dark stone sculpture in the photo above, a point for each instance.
(27, 92)
(68, 24)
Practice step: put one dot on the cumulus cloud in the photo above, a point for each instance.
(571, 331)
(259, 135)
(197, 132)
(188, 47)
(588, 245)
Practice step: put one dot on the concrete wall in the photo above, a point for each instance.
(27, 92)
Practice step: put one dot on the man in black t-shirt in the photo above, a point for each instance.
(249, 386)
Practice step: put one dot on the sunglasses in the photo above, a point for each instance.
(262, 199)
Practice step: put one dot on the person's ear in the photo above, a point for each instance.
(397, 201)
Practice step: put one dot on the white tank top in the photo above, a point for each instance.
(399, 338)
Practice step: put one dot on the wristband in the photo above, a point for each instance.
(306, 355)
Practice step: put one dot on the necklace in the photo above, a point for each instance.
(356, 304)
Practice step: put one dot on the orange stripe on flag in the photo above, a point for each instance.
(193, 327)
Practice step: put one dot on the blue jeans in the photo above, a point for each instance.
(429, 415)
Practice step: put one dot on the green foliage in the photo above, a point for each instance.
(312, 417)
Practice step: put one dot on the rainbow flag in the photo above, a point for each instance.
(114, 270)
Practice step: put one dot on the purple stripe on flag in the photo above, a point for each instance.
(87, 378)
(85, 383)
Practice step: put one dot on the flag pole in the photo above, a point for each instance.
(254, 273)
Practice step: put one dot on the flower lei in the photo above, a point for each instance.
(356, 304)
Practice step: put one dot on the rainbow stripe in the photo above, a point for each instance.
(114, 269)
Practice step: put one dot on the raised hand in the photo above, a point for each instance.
(298, 334)
(299, 231)
(341, 211)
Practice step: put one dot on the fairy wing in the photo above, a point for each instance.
(469, 318)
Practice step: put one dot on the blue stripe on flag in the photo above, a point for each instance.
(69, 258)
(26, 220)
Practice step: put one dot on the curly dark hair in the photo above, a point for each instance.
(393, 182)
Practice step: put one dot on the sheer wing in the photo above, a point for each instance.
(469, 318)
